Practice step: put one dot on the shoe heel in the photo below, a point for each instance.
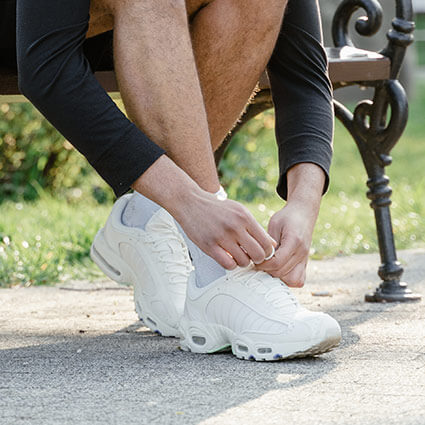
(201, 338)
(109, 261)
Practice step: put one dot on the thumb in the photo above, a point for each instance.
(274, 231)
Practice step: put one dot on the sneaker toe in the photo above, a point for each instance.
(314, 326)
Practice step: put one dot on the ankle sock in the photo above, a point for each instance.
(207, 270)
(139, 211)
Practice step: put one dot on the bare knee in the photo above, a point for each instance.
(143, 8)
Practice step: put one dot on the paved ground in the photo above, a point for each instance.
(76, 355)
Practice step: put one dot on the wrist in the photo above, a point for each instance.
(167, 185)
(305, 184)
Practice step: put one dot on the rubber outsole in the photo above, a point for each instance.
(321, 348)
(217, 339)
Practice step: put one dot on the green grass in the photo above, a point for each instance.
(48, 240)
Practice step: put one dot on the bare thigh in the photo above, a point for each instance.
(102, 15)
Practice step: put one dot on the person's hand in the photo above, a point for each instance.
(292, 227)
(226, 231)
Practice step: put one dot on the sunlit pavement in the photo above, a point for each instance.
(77, 354)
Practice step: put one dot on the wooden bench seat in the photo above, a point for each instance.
(347, 65)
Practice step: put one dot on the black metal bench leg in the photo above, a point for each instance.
(375, 139)
(391, 289)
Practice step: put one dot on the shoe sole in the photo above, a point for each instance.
(118, 270)
(208, 339)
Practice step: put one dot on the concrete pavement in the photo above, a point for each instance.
(77, 355)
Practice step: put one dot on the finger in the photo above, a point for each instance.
(296, 277)
(222, 257)
(252, 248)
(261, 236)
(296, 258)
(274, 230)
(239, 255)
(283, 255)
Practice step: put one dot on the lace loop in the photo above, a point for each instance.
(172, 252)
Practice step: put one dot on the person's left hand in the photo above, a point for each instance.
(292, 227)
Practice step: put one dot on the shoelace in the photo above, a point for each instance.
(172, 252)
(274, 290)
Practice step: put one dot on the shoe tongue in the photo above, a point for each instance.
(160, 221)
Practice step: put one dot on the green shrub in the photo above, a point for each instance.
(248, 168)
(34, 155)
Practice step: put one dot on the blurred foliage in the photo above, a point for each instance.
(34, 156)
(420, 43)
(248, 168)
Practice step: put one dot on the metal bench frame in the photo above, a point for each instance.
(374, 135)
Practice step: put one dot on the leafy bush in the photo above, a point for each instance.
(248, 169)
(34, 155)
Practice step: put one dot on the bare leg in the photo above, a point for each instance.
(233, 41)
(159, 83)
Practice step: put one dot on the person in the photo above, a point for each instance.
(202, 267)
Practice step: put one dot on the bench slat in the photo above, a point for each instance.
(346, 65)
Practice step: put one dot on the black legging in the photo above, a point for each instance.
(55, 75)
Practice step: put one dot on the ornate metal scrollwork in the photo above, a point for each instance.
(374, 136)
(366, 25)
(399, 36)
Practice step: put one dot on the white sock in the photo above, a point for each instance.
(207, 270)
(139, 211)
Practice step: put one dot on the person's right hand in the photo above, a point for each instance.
(225, 230)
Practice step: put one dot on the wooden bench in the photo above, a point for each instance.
(374, 135)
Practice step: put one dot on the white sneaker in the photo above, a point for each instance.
(155, 260)
(257, 316)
